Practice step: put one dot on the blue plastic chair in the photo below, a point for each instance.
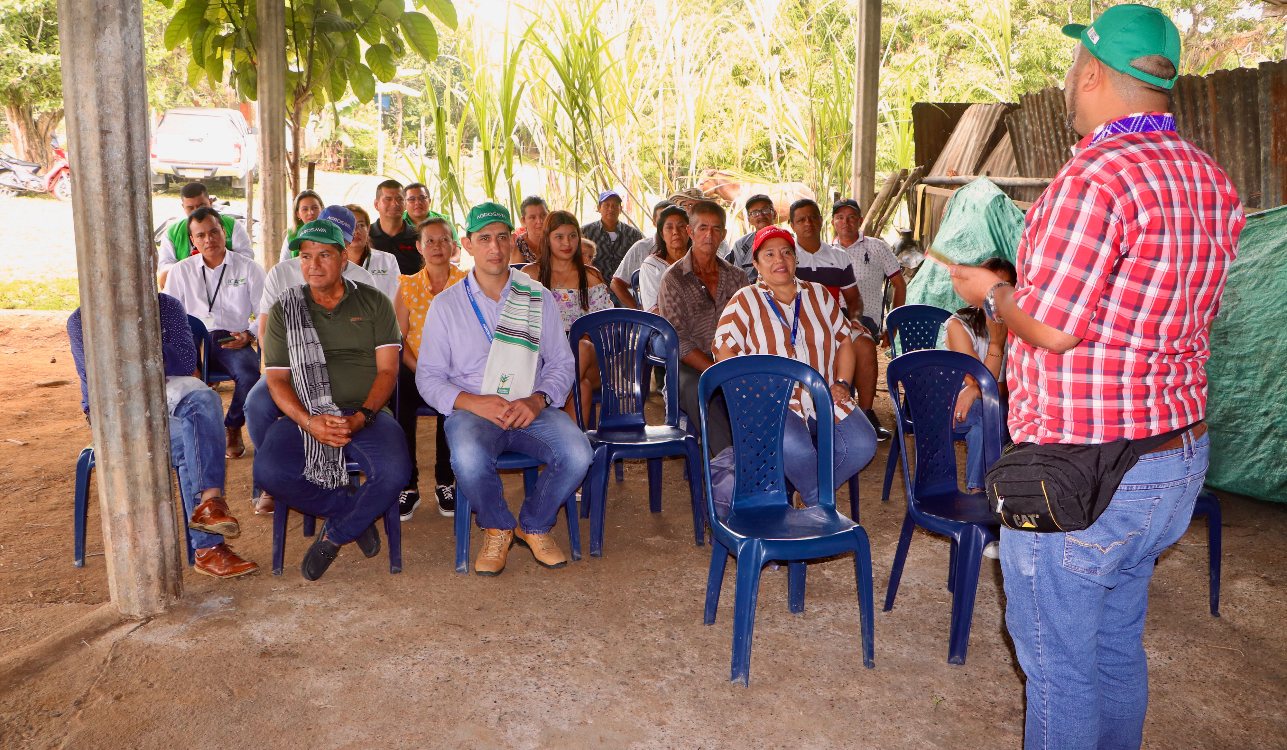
(911, 328)
(80, 512)
(762, 525)
(626, 344)
(392, 528)
(923, 386)
(1209, 505)
(634, 288)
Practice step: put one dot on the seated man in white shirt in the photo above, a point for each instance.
(221, 289)
(873, 262)
(177, 245)
(633, 261)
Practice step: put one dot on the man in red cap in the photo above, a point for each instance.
(1121, 268)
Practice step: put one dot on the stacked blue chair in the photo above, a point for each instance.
(211, 373)
(923, 386)
(392, 528)
(465, 510)
(911, 328)
(80, 511)
(761, 525)
(626, 343)
(1209, 505)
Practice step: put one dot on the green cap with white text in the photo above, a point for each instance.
(487, 213)
(1127, 32)
(324, 231)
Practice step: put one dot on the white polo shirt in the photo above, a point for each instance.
(286, 274)
(873, 261)
(223, 297)
(830, 266)
(383, 267)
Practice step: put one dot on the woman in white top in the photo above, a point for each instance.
(308, 206)
(382, 266)
(673, 242)
(970, 332)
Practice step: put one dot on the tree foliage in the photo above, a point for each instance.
(332, 47)
(30, 74)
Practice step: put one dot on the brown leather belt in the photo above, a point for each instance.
(1194, 432)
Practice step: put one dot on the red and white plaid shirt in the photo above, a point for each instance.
(1127, 249)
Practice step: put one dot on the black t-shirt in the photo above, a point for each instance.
(402, 245)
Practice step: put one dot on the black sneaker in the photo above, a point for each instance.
(318, 558)
(881, 433)
(446, 499)
(408, 501)
(369, 541)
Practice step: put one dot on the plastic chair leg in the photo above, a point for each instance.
(280, 514)
(900, 557)
(574, 526)
(620, 470)
(951, 565)
(853, 498)
(714, 581)
(80, 510)
(310, 525)
(696, 490)
(393, 535)
(750, 561)
(969, 556)
(654, 485)
(598, 482)
(1211, 506)
(529, 480)
(866, 607)
(891, 463)
(462, 525)
(796, 572)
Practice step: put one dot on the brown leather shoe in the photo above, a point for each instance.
(220, 561)
(544, 548)
(491, 559)
(214, 517)
(264, 505)
(236, 448)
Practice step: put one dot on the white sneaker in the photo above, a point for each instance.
(992, 551)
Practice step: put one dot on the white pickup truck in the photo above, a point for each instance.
(204, 145)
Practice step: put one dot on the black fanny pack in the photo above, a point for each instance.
(1060, 487)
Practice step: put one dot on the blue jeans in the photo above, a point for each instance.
(552, 438)
(243, 365)
(261, 412)
(1075, 606)
(196, 447)
(975, 466)
(380, 452)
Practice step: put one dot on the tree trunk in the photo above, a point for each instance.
(31, 134)
(292, 156)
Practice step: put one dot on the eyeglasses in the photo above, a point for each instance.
(417, 199)
(761, 212)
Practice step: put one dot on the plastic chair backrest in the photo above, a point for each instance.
(628, 344)
(757, 390)
(923, 386)
(201, 338)
(915, 327)
(634, 288)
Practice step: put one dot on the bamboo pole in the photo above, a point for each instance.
(271, 16)
(877, 206)
(102, 66)
(866, 97)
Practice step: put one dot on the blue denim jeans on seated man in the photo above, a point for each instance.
(261, 412)
(1075, 606)
(196, 447)
(243, 365)
(380, 452)
(552, 438)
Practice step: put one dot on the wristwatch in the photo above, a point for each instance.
(544, 397)
(990, 302)
(367, 414)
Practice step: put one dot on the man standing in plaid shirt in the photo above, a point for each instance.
(1121, 268)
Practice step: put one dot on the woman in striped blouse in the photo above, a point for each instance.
(781, 315)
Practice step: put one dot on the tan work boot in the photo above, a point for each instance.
(236, 447)
(544, 548)
(213, 517)
(495, 551)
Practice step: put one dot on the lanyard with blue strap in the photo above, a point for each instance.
(1136, 123)
(795, 324)
(477, 312)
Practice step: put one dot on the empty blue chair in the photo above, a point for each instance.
(80, 511)
(392, 529)
(211, 373)
(911, 328)
(761, 525)
(464, 508)
(1209, 505)
(626, 344)
(923, 386)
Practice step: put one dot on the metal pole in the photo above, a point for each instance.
(866, 97)
(103, 73)
(271, 15)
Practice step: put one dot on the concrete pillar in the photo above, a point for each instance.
(271, 16)
(107, 136)
(866, 97)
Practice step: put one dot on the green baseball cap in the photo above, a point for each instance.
(324, 231)
(1126, 32)
(487, 213)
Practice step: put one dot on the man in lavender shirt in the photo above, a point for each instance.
(454, 350)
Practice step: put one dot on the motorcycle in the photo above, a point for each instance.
(18, 176)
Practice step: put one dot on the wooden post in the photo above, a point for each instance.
(866, 97)
(312, 174)
(271, 15)
(103, 73)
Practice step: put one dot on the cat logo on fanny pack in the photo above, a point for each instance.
(1025, 521)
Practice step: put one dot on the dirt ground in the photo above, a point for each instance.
(608, 652)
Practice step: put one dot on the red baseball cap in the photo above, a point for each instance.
(768, 233)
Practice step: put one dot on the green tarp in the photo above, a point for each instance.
(980, 222)
(1247, 374)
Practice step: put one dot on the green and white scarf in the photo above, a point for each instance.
(516, 344)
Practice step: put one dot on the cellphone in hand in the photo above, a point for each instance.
(227, 340)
